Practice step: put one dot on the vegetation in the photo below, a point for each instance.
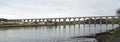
(106, 36)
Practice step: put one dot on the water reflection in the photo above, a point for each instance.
(61, 33)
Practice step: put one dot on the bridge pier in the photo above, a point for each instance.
(69, 20)
(64, 21)
(113, 18)
(106, 20)
(43, 20)
(84, 21)
(74, 21)
(55, 20)
(59, 20)
(27, 20)
(24, 21)
(18, 20)
(79, 20)
(95, 21)
(113, 21)
(50, 20)
(100, 21)
(39, 20)
(89, 21)
(35, 20)
(47, 20)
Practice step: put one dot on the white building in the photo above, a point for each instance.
(2, 20)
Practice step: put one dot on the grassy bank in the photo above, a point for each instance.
(106, 36)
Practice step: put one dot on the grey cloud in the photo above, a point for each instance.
(59, 8)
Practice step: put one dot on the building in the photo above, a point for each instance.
(2, 20)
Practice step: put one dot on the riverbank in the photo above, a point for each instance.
(116, 37)
(105, 36)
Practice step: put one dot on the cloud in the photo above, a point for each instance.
(8, 16)
(57, 8)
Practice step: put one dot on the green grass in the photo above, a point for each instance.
(112, 33)
(107, 36)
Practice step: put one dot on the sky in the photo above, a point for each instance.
(12, 9)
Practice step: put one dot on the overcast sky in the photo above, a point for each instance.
(57, 8)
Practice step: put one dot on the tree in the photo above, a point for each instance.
(118, 12)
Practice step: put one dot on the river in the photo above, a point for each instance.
(52, 33)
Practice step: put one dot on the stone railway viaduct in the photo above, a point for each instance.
(65, 19)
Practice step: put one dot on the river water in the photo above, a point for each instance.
(61, 33)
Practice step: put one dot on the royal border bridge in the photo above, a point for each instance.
(66, 19)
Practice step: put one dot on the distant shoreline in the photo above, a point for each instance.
(25, 25)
